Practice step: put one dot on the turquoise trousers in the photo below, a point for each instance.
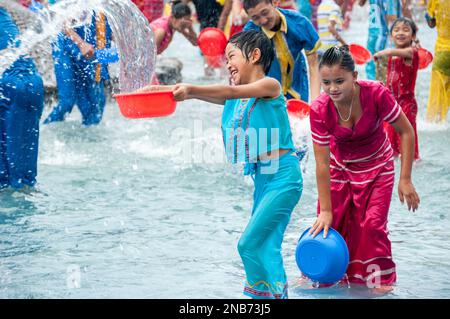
(278, 187)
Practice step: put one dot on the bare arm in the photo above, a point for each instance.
(325, 219)
(335, 33)
(225, 13)
(264, 88)
(86, 49)
(314, 79)
(406, 188)
(404, 53)
(190, 34)
(406, 10)
(159, 37)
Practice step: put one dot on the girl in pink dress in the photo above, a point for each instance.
(165, 27)
(355, 166)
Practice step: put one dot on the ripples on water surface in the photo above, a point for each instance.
(118, 213)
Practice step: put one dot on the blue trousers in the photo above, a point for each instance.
(278, 187)
(76, 85)
(376, 42)
(21, 105)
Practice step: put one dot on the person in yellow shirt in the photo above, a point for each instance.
(439, 98)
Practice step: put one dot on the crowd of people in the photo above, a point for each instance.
(277, 50)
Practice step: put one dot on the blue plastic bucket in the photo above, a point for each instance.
(322, 260)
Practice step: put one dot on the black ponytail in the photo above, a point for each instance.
(338, 56)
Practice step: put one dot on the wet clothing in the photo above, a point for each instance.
(164, 24)
(247, 127)
(276, 194)
(296, 34)
(439, 97)
(361, 179)
(21, 105)
(401, 81)
(253, 127)
(79, 80)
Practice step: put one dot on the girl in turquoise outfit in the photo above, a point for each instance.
(256, 132)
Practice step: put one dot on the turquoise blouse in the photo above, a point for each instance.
(252, 127)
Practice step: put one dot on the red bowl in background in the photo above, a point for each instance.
(212, 41)
(425, 58)
(297, 108)
(359, 53)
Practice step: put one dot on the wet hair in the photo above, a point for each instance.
(180, 9)
(249, 40)
(407, 21)
(248, 4)
(338, 56)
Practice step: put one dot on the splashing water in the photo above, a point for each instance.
(131, 32)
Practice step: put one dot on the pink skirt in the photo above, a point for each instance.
(361, 192)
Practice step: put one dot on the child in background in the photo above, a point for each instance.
(355, 166)
(401, 76)
(165, 27)
(329, 19)
(256, 132)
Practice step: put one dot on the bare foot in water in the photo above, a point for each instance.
(382, 290)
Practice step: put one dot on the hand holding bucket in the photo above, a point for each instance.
(324, 260)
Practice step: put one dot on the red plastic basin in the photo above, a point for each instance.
(359, 53)
(298, 108)
(148, 104)
(212, 41)
(425, 58)
(215, 61)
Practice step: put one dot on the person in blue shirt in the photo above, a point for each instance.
(381, 12)
(256, 132)
(80, 78)
(21, 105)
(291, 34)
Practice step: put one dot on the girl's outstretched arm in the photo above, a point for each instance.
(406, 188)
(405, 53)
(217, 93)
(325, 218)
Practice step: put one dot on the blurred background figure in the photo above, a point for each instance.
(179, 20)
(438, 15)
(152, 9)
(80, 79)
(21, 105)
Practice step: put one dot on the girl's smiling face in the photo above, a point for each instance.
(337, 82)
(402, 34)
(238, 65)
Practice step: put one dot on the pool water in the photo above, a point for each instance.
(149, 208)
